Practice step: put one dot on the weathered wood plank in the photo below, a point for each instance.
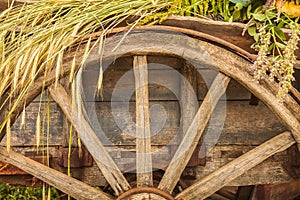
(159, 89)
(68, 185)
(24, 135)
(188, 95)
(206, 54)
(272, 170)
(218, 179)
(234, 91)
(119, 82)
(106, 164)
(143, 136)
(189, 104)
(164, 83)
(119, 128)
(239, 69)
(244, 124)
(269, 171)
(231, 32)
(193, 134)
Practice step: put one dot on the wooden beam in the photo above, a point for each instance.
(143, 136)
(193, 134)
(66, 184)
(189, 104)
(218, 179)
(188, 95)
(106, 164)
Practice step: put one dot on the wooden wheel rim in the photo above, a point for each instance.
(230, 69)
(148, 190)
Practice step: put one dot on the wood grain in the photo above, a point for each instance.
(240, 70)
(104, 161)
(255, 124)
(209, 55)
(193, 134)
(118, 79)
(143, 136)
(218, 179)
(231, 32)
(188, 95)
(189, 103)
(68, 185)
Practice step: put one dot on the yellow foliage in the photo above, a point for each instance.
(290, 8)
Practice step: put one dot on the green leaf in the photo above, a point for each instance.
(279, 33)
(256, 37)
(249, 11)
(258, 9)
(259, 17)
(280, 45)
(268, 26)
(236, 15)
(281, 24)
(252, 31)
(271, 47)
(271, 14)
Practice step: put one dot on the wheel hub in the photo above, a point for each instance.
(145, 193)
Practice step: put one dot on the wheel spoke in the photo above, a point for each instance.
(218, 179)
(61, 181)
(189, 102)
(188, 96)
(193, 134)
(104, 161)
(143, 137)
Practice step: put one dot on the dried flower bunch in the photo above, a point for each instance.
(276, 54)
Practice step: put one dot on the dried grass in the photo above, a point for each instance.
(35, 36)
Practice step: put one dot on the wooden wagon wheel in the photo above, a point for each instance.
(141, 44)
